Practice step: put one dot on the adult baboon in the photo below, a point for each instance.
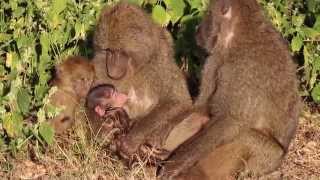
(248, 89)
(136, 56)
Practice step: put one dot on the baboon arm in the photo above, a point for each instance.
(208, 81)
(184, 130)
(154, 127)
(188, 154)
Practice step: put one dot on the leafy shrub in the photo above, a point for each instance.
(299, 22)
(36, 35)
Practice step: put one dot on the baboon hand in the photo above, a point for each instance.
(127, 147)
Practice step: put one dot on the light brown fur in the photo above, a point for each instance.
(73, 79)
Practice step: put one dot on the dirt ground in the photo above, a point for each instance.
(78, 160)
(303, 159)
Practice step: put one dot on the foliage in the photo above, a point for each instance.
(36, 35)
(299, 22)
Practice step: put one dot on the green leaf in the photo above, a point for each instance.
(298, 20)
(137, 2)
(5, 37)
(58, 6)
(316, 25)
(40, 90)
(310, 32)
(315, 93)
(159, 15)
(2, 69)
(12, 123)
(45, 42)
(312, 4)
(23, 100)
(195, 4)
(46, 132)
(175, 9)
(1, 89)
(316, 63)
(296, 43)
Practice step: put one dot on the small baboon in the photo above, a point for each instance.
(73, 79)
(104, 109)
(136, 56)
(249, 91)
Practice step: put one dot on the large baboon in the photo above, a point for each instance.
(248, 89)
(136, 56)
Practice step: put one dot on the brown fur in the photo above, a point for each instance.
(249, 90)
(73, 79)
(114, 119)
(126, 37)
(115, 122)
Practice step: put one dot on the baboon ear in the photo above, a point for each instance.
(99, 111)
(116, 64)
(225, 6)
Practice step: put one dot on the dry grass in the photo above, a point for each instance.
(73, 156)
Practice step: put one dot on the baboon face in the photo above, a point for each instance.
(118, 64)
(104, 98)
(78, 73)
(73, 77)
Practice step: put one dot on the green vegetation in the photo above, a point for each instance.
(36, 35)
(299, 23)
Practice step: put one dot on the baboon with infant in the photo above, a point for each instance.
(140, 64)
(73, 79)
(248, 90)
(136, 56)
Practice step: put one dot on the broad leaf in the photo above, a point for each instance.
(23, 100)
(159, 15)
(296, 43)
(46, 132)
(12, 123)
(175, 9)
(315, 93)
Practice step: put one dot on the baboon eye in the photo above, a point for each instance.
(65, 119)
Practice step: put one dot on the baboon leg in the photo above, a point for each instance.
(251, 152)
(266, 154)
(224, 162)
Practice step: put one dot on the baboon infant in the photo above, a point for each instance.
(105, 109)
(249, 91)
(73, 79)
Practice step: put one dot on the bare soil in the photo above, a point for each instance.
(303, 159)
